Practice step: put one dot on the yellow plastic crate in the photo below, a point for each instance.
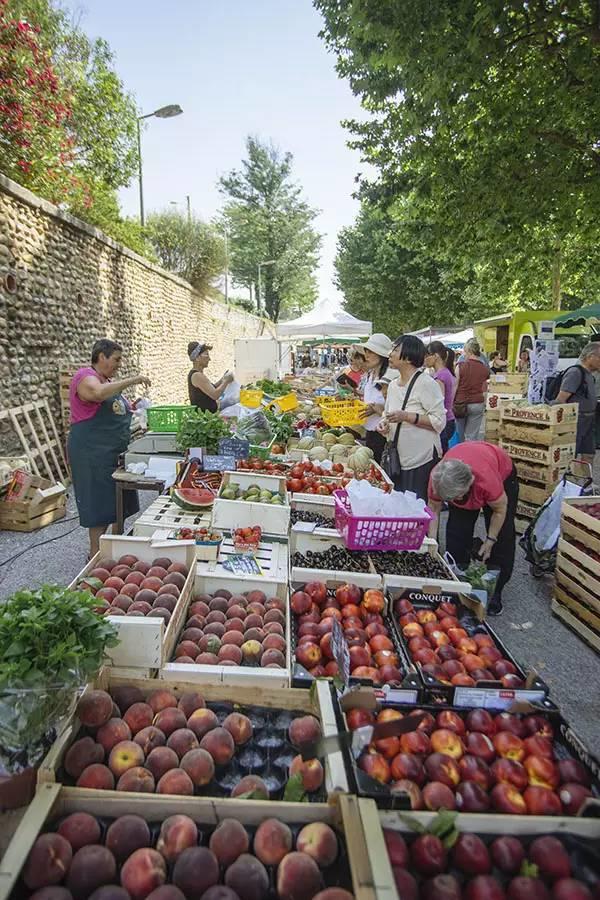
(287, 402)
(342, 412)
(250, 398)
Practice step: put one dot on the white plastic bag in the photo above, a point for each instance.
(546, 530)
(231, 395)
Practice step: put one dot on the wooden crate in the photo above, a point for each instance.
(53, 802)
(575, 624)
(495, 399)
(317, 702)
(574, 510)
(541, 414)
(233, 675)
(163, 515)
(586, 568)
(559, 455)
(29, 515)
(534, 494)
(578, 598)
(540, 474)
(483, 824)
(544, 435)
(510, 381)
(145, 644)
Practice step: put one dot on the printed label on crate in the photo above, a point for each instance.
(494, 698)
(221, 463)
(304, 526)
(340, 651)
(242, 565)
(418, 596)
(236, 447)
(388, 694)
(576, 744)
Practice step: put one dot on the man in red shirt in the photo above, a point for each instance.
(477, 476)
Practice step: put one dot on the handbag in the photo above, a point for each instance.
(390, 458)
(459, 408)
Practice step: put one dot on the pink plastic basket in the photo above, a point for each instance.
(373, 533)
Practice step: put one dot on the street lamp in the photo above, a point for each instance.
(165, 112)
(268, 262)
(189, 207)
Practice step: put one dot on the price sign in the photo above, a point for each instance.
(494, 698)
(218, 463)
(340, 651)
(236, 447)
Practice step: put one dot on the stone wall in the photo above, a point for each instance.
(63, 284)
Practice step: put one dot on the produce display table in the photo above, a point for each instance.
(127, 481)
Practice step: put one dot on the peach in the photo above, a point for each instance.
(274, 642)
(144, 871)
(105, 595)
(442, 768)
(48, 861)
(407, 767)
(199, 765)
(275, 615)
(220, 745)
(437, 795)
(199, 608)
(233, 637)
(251, 785)
(572, 770)
(80, 829)
(479, 744)
(94, 708)
(304, 730)
(252, 651)
(91, 867)
(473, 768)
(182, 740)
(230, 653)
(151, 583)
(98, 777)
(138, 716)
(542, 771)
(573, 795)
(169, 720)
(202, 721)
(161, 760)
(190, 702)
(239, 726)
(83, 753)
(165, 601)
(207, 659)
(108, 892)
(138, 779)
(451, 720)
(248, 878)
(176, 578)
(273, 840)
(310, 771)
(536, 745)
(112, 732)
(149, 738)
(256, 634)
(509, 771)
(541, 801)
(177, 833)
(509, 745)
(123, 601)
(126, 835)
(125, 755)
(145, 596)
(228, 841)
(294, 870)
(196, 869)
(175, 781)
(416, 742)
(445, 741)
(507, 799)
(272, 658)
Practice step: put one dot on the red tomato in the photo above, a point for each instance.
(297, 471)
(295, 485)
(337, 467)
(322, 489)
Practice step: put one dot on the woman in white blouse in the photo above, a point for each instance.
(412, 425)
(376, 354)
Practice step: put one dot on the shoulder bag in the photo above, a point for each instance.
(390, 459)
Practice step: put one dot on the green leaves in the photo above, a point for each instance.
(194, 250)
(294, 789)
(200, 428)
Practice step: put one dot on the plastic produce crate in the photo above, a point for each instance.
(342, 412)
(166, 418)
(251, 398)
(376, 532)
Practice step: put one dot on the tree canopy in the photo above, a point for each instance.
(268, 221)
(484, 130)
(194, 250)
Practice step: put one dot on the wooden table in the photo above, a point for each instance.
(127, 481)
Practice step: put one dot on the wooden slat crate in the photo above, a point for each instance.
(540, 474)
(534, 493)
(582, 601)
(541, 414)
(54, 802)
(34, 512)
(145, 643)
(510, 381)
(544, 435)
(315, 702)
(581, 629)
(559, 455)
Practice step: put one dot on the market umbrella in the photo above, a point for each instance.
(579, 316)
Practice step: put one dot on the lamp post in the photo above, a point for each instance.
(268, 262)
(188, 206)
(165, 112)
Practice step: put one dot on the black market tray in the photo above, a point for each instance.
(488, 693)
(566, 744)
(406, 691)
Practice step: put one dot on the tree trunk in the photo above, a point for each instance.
(556, 272)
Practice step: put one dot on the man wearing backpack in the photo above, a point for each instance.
(577, 385)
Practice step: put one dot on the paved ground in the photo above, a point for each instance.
(568, 665)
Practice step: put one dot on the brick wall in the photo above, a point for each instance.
(63, 284)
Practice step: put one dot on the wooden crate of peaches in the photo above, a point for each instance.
(475, 761)
(150, 736)
(372, 644)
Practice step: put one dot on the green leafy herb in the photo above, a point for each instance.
(200, 428)
(294, 789)
(272, 388)
(282, 426)
(51, 643)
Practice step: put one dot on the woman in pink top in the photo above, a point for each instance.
(472, 477)
(100, 423)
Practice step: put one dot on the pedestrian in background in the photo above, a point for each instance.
(376, 352)
(471, 384)
(440, 359)
(578, 386)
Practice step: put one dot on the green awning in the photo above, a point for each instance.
(579, 316)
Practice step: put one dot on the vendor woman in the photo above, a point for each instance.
(202, 393)
(472, 477)
(100, 425)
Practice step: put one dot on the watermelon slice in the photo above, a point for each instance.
(192, 498)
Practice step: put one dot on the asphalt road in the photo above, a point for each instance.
(528, 628)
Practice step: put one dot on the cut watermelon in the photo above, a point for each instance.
(192, 498)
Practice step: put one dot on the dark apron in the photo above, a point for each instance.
(94, 447)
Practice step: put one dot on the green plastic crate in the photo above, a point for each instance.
(166, 418)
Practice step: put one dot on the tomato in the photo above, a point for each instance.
(295, 485)
(288, 484)
(309, 490)
(317, 470)
(322, 489)
(337, 467)
(297, 472)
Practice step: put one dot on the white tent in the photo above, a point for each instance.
(456, 339)
(326, 319)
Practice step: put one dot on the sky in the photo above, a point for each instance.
(236, 67)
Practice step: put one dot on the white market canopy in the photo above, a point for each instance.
(326, 319)
(456, 339)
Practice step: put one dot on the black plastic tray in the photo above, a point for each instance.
(461, 694)
(566, 744)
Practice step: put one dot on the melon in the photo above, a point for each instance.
(192, 498)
